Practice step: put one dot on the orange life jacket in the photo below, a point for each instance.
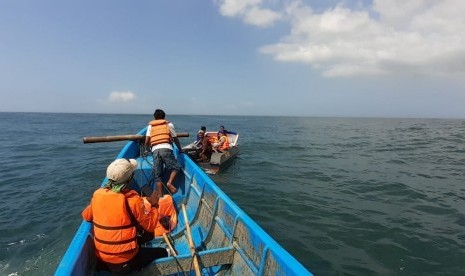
(225, 144)
(159, 132)
(115, 236)
(166, 210)
(214, 139)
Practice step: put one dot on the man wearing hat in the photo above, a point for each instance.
(120, 220)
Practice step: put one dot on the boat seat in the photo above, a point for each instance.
(207, 258)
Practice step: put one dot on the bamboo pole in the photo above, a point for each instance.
(115, 138)
(191, 242)
(169, 245)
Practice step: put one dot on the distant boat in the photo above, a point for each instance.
(226, 240)
(219, 159)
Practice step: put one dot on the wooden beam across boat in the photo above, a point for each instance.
(116, 138)
(208, 258)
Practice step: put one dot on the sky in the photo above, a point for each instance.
(322, 58)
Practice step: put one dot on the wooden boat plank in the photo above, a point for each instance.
(210, 258)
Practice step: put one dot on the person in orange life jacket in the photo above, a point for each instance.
(214, 140)
(160, 133)
(223, 142)
(119, 219)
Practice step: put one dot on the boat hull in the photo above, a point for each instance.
(219, 160)
(227, 240)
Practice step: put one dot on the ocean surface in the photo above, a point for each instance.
(345, 196)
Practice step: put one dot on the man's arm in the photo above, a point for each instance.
(147, 218)
(147, 138)
(87, 213)
(147, 142)
(176, 141)
(174, 137)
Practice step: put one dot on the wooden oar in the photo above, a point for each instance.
(165, 237)
(191, 242)
(115, 138)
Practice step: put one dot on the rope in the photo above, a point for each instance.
(151, 179)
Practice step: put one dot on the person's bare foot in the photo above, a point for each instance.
(170, 187)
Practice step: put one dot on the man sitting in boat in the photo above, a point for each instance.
(197, 147)
(222, 129)
(199, 139)
(223, 142)
(121, 222)
(204, 129)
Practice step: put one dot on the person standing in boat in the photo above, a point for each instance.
(121, 222)
(160, 134)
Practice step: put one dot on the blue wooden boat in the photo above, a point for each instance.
(226, 240)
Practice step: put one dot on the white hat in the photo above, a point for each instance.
(120, 170)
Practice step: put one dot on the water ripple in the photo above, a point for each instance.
(344, 196)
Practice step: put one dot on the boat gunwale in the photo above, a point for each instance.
(69, 263)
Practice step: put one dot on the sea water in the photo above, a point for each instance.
(345, 196)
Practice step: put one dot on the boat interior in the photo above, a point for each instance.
(212, 236)
(232, 138)
(224, 241)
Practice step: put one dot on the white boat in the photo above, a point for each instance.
(219, 159)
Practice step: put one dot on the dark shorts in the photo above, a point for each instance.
(142, 259)
(164, 157)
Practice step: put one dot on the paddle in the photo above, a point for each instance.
(167, 241)
(191, 242)
(115, 138)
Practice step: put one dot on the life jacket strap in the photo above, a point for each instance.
(113, 227)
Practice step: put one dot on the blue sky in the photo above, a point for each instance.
(381, 58)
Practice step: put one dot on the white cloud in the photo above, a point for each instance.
(121, 97)
(388, 37)
(261, 17)
(235, 7)
(250, 11)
